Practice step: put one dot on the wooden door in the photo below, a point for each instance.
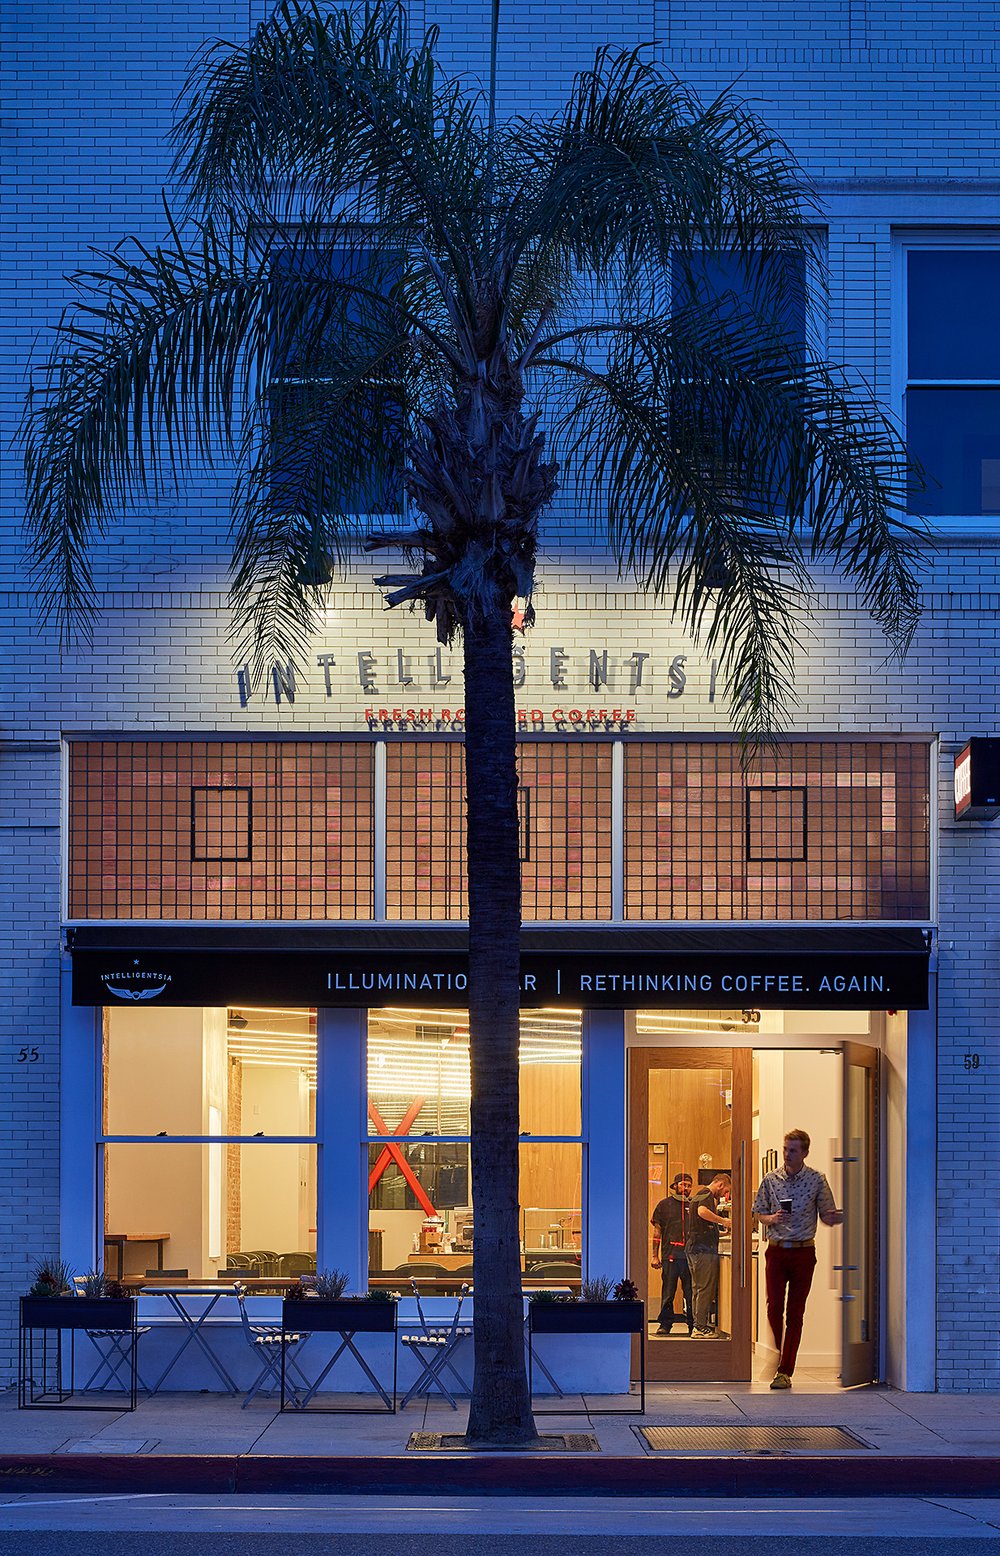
(690, 1115)
(859, 1239)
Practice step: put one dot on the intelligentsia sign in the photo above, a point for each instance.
(590, 980)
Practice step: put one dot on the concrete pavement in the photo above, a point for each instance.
(181, 1443)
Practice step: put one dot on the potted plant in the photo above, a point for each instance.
(52, 1303)
(601, 1308)
(103, 1309)
(317, 1302)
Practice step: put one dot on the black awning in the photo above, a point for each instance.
(591, 966)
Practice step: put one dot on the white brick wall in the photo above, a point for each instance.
(862, 92)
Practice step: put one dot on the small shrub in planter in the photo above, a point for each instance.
(51, 1278)
(602, 1308)
(373, 1313)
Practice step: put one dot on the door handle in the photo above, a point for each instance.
(740, 1231)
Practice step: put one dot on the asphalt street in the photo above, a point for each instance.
(499, 1526)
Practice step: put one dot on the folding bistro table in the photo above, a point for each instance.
(194, 1323)
(344, 1317)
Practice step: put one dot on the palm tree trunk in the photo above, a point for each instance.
(500, 1411)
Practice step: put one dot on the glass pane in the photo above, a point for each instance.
(419, 1210)
(420, 1213)
(564, 805)
(689, 1165)
(551, 1214)
(195, 1207)
(955, 434)
(722, 282)
(550, 1072)
(196, 1071)
(953, 324)
(862, 849)
(418, 1072)
(564, 798)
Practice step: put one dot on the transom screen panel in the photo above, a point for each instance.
(284, 830)
(565, 829)
(221, 829)
(843, 833)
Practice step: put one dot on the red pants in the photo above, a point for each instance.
(787, 1270)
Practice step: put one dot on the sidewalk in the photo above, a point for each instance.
(904, 1444)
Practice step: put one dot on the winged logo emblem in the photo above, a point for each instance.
(122, 993)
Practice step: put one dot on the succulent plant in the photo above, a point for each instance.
(94, 1284)
(626, 1291)
(51, 1277)
(296, 1292)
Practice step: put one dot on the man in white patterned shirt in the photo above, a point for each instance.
(787, 1205)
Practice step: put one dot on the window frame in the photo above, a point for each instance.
(370, 517)
(104, 1138)
(582, 1139)
(905, 242)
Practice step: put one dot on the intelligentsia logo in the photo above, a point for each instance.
(135, 984)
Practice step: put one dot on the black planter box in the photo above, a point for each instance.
(77, 1313)
(339, 1315)
(585, 1317)
(47, 1360)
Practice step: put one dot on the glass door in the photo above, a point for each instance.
(859, 1241)
(690, 1200)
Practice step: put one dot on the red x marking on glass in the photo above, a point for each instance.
(393, 1153)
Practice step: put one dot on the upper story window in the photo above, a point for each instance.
(335, 402)
(745, 300)
(750, 314)
(952, 377)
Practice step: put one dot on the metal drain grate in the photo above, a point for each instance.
(553, 1442)
(750, 1439)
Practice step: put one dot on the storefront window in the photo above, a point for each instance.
(234, 1080)
(420, 1194)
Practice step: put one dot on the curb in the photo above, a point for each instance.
(501, 1475)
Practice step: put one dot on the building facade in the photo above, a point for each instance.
(233, 951)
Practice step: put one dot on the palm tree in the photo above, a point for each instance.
(360, 242)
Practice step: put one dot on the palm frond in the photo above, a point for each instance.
(143, 380)
(551, 279)
(693, 447)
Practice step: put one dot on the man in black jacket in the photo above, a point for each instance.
(671, 1222)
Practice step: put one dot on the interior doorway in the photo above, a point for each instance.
(705, 1125)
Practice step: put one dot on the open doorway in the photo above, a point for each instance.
(800, 1089)
(711, 1118)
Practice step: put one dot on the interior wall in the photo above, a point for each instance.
(272, 1205)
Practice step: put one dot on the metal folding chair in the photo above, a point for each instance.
(114, 1348)
(433, 1348)
(265, 1340)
